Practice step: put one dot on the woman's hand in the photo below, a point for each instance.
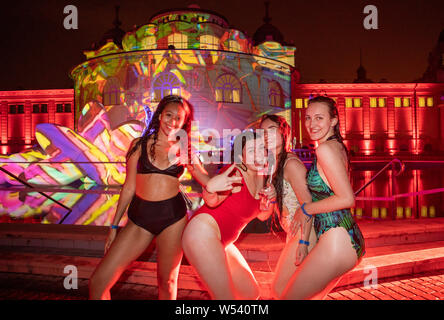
(111, 236)
(301, 253)
(222, 182)
(268, 192)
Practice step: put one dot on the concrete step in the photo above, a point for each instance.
(383, 267)
(88, 240)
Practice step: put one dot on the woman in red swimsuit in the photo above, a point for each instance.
(231, 202)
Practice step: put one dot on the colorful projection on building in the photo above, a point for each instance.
(192, 53)
(189, 52)
(96, 153)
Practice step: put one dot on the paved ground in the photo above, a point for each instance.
(16, 286)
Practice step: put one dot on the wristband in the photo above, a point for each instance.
(305, 212)
(304, 242)
(113, 226)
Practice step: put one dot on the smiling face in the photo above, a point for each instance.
(172, 118)
(318, 122)
(254, 154)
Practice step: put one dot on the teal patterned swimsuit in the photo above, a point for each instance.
(342, 218)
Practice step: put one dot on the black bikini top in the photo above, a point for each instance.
(144, 166)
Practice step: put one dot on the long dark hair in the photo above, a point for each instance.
(278, 177)
(154, 125)
(333, 112)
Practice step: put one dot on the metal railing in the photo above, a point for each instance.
(43, 194)
(391, 163)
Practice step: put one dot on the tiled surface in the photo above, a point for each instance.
(429, 287)
(39, 287)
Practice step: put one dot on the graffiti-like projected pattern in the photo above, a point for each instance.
(96, 153)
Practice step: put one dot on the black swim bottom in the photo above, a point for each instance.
(155, 216)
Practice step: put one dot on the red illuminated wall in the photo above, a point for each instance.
(21, 111)
(392, 127)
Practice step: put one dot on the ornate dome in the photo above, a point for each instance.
(115, 34)
(267, 31)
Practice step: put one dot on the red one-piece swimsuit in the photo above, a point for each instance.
(233, 214)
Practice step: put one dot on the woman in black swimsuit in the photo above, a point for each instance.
(156, 207)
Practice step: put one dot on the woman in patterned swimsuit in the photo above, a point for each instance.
(340, 244)
(289, 189)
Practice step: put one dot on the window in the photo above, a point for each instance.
(275, 94)
(234, 46)
(148, 42)
(165, 84)
(12, 109)
(406, 102)
(59, 108)
(402, 102)
(20, 108)
(178, 40)
(35, 108)
(228, 89)
(429, 101)
(353, 102)
(68, 107)
(299, 103)
(208, 41)
(44, 108)
(377, 102)
(111, 92)
(425, 101)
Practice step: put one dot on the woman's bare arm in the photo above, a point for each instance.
(198, 171)
(331, 161)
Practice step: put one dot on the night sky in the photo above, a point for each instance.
(38, 53)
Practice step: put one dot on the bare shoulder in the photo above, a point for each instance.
(331, 151)
(329, 148)
(133, 143)
(294, 165)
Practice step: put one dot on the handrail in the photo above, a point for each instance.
(401, 165)
(43, 194)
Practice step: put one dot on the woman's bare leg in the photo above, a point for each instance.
(243, 279)
(286, 267)
(204, 250)
(169, 257)
(129, 244)
(330, 259)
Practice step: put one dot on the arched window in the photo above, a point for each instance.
(111, 92)
(275, 94)
(148, 42)
(208, 41)
(234, 46)
(178, 40)
(228, 89)
(165, 84)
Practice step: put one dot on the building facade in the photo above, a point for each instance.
(379, 118)
(193, 53)
(21, 111)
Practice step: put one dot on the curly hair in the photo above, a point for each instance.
(153, 128)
